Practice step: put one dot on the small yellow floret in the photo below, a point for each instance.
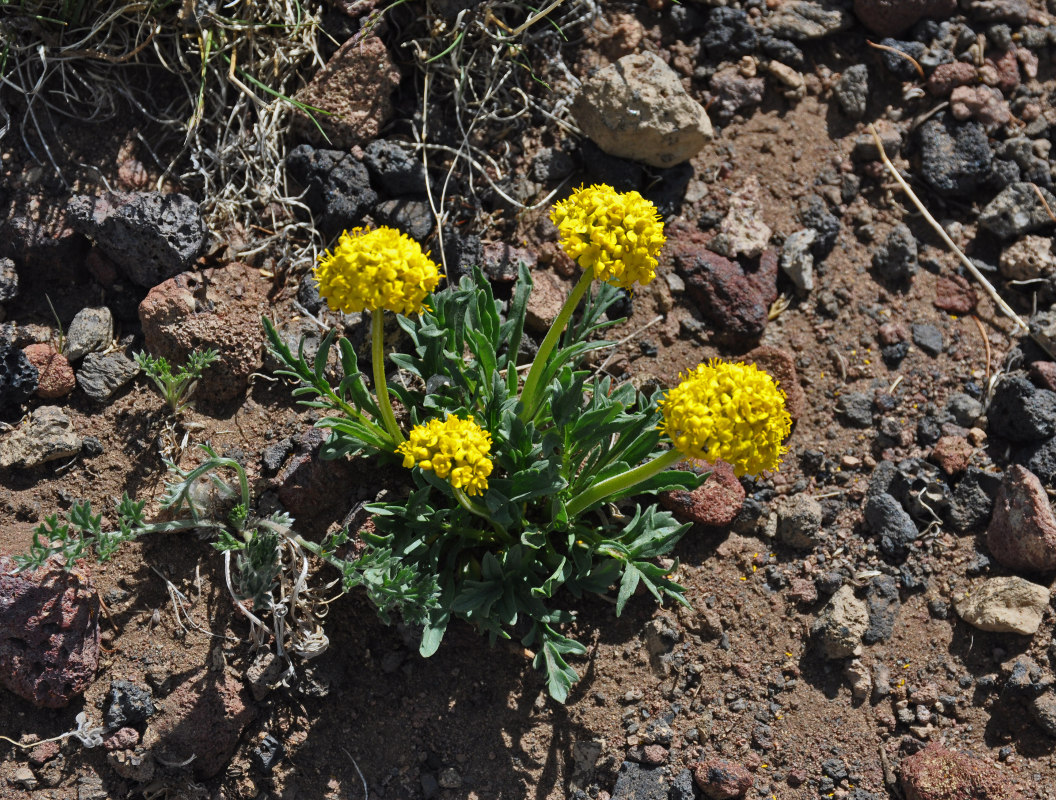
(455, 449)
(728, 411)
(616, 234)
(376, 269)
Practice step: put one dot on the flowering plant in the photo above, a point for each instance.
(513, 484)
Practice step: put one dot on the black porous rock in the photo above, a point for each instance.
(881, 599)
(150, 236)
(394, 169)
(882, 478)
(728, 34)
(268, 753)
(1032, 168)
(855, 409)
(338, 186)
(885, 517)
(308, 294)
(898, 65)
(782, 50)
(852, 90)
(1021, 412)
(551, 164)
(816, 216)
(1039, 458)
(128, 705)
(972, 499)
(955, 158)
(407, 214)
(894, 353)
(929, 431)
(18, 378)
(8, 280)
(895, 260)
(463, 251)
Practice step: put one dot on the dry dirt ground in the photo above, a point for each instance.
(736, 676)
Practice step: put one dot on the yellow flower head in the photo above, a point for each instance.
(455, 449)
(730, 411)
(376, 269)
(617, 234)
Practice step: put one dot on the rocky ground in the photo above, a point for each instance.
(874, 620)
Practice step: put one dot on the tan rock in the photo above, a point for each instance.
(638, 109)
(1005, 605)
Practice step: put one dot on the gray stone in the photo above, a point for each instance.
(1042, 327)
(1044, 708)
(798, 521)
(852, 90)
(23, 778)
(973, 499)
(1028, 259)
(102, 375)
(47, 436)
(1005, 605)
(964, 408)
(90, 787)
(8, 280)
(802, 21)
(896, 259)
(450, 779)
(1017, 210)
(742, 229)
(150, 236)
(841, 624)
(637, 108)
(92, 329)
(928, 338)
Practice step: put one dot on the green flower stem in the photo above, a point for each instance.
(618, 483)
(381, 388)
(535, 374)
(476, 508)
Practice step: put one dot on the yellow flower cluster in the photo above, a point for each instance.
(733, 412)
(616, 234)
(376, 269)
(455, 449)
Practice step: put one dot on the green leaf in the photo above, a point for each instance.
(629, 582)
(435, 627)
